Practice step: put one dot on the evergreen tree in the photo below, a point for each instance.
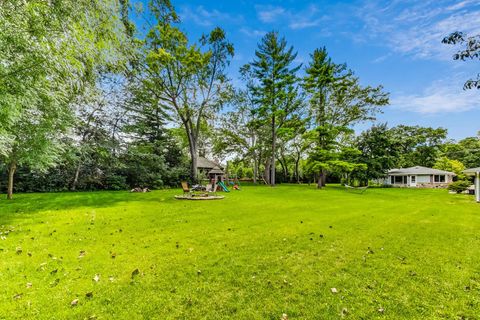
(275, 87)
(337, 101)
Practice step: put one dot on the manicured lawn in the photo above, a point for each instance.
(259, 253)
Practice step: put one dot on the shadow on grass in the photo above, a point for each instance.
(24, 205)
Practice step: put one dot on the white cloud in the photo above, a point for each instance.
(253, 33)
(444, 96)
(206, 18)
(295, 20)
(382, 58)
(269, 14)
(417, 28)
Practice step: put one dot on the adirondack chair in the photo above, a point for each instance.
(185, 188)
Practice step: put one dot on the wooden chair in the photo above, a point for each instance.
(185, 187)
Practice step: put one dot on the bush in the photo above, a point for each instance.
(249, 173)
(459, 186)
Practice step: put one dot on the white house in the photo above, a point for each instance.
(475, 172)
(420, 177)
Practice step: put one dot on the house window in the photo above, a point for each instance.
(439, 178)
(399, 180)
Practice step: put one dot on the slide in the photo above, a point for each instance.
(223, 186)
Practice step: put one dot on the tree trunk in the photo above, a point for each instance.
(193, 148)
(255, 169)
(11, 173)
(297, 169)
(283, 169)
(75, 178)
(319, 181)
(193, 172)
(274, 146)
(322, 178)
(284, 163)
(267, 171)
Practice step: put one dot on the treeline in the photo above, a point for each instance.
(88, 103)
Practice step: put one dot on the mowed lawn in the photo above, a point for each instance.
(258, 254)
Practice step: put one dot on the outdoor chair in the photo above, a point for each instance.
(185, 187)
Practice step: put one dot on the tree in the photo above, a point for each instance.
(188, 82)
(471, 51)
(418, 146)
(466, 151)
(379, 151)
(239, 132)
(49, 52)
(337, 101)
(274, 89)
(455, 166)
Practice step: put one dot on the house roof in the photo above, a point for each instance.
(216, 170)
(204, 163)
(418, 170)
(472, 171)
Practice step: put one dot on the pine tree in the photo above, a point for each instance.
(275, 86)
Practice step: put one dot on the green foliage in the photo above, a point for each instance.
(273, 85)
(418, 146)
(379, 151)
(459, 186)
(49, 54)
(337, 101)
(471, 51)
(186, 80)
(455, 166)
(466, 151)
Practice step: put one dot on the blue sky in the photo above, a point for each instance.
(393, 43)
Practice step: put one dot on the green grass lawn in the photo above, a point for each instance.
(257, 254)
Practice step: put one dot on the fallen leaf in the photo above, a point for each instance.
(82, 254)
(284, 317)
(17, 296)
(96, 278)
(19, 250)
(29, 285)
(135, 272)
(74, 302)
(334, 290)
(381, 310)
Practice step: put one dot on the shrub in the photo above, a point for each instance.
(459, 186)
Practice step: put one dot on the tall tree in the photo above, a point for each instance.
(188, 81)
(379, 151)
(418, 146)
(466, 151)
(275, 86)
(49, 51)
(337, 101)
